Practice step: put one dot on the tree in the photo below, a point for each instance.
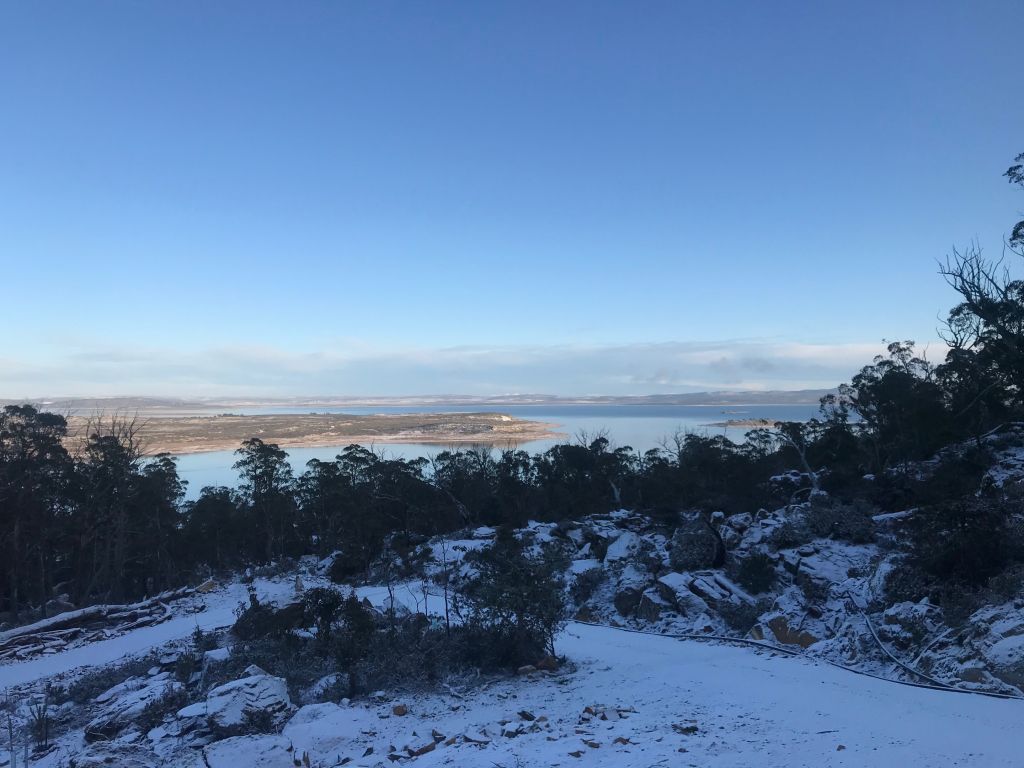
(1015, 174)
(267, 489)
(36, 473)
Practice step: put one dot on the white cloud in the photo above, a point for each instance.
(354, 368)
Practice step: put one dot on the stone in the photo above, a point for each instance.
(651, 606)
(779, 627)
(227, 705)
(121, 705)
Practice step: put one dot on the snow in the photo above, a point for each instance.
(656, 701)
(746, 708)
(218, 612)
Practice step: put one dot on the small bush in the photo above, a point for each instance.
(695, 546)
(791, 533)
(756, 573)
(203, 641)
(321, 608)
(585, 584)
(965, 541)
(94, 682)
(815, 592)
(741, 617)
(155, 711)
(846, 522)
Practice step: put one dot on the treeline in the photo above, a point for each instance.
(105, 523)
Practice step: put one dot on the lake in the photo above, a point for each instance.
(640, 426)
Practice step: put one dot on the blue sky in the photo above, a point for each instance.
(573, 198)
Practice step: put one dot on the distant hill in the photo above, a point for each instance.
(175, 405)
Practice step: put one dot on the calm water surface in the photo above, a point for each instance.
(640, 426)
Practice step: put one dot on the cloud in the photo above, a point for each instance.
(356, 368)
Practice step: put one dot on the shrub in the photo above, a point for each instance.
(94, 682)
(321, 608)
(756, 572)
(695, 546)
(156, 710)
(966, 541)
(516, 601)
(741, 617)
(585, 584)
(792, 533)
(846, 522)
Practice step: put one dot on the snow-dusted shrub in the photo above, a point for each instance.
(741, 616)
(791, 533)
(157, 709)
(904, 583)
(94, 682)
(694, 546)
(585, 584)
(516, 600)
(756, 572)
(828, 518)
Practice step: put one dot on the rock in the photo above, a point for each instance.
(675, 587)
(428, 747)
(778, 628)
(227, 705)
(121, 705)
(627, 600)
(528, 716)
(625, 547)
(651, 606)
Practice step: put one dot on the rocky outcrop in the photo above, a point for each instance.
(122, 705)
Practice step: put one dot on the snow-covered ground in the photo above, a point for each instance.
(632, 700)
(681, 703)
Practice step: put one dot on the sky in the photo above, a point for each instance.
(376, 198)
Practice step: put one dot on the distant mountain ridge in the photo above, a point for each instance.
(143, 403)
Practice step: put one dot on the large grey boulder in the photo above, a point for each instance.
(229, 705)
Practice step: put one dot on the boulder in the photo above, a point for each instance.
(777, 628)
(675, 587)
(651, 606)
(226, 705)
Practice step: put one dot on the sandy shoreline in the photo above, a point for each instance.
(180, 435)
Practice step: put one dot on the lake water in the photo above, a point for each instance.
(640, 426)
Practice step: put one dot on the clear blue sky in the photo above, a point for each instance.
(341, 198)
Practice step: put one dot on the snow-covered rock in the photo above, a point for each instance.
(227, 705)
(121, 705)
